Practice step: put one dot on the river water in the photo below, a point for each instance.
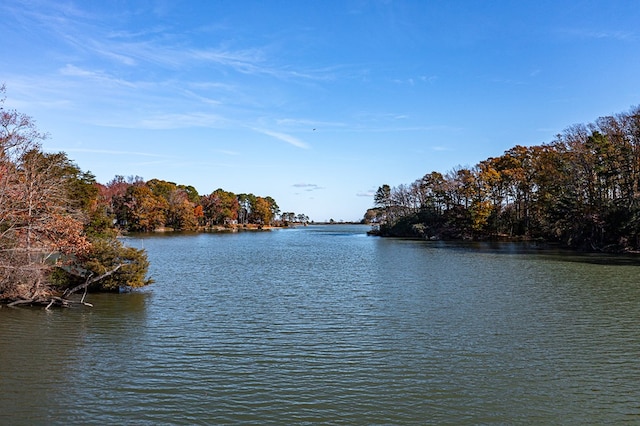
(323, 324)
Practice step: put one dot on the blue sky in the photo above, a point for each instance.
(314, 103)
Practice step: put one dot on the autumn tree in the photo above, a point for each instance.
(191, 192)
(38, 223)
(180, 213)
(180, 203)
(113, 197)
(261, 211)
(433, 194)
(372, 215)
(220, 207)
(273, 208)
(143, 210)
(46, 203)
(161, 188)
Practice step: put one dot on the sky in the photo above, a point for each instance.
(313, 103)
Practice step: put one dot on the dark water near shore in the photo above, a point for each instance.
(326, 325)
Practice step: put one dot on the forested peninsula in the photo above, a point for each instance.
(59, 228)
(582, 190)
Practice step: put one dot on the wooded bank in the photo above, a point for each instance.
(581, 190)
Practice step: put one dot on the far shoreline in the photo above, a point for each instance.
(249, 227)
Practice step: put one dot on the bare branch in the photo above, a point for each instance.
(92, 280)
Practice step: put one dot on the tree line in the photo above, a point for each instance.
(581, 190)
(139, 206)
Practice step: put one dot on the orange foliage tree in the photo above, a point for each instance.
(38, 221)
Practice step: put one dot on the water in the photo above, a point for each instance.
(326, 325)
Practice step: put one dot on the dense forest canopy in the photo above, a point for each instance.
(581, 190)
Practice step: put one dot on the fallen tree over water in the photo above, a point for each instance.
(63, 300)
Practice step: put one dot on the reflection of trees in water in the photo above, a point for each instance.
(538, 250)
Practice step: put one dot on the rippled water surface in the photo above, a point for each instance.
(326, 325)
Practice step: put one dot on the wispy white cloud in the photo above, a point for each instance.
(97, 76)
(409, 81)
(412, 81)
(227, 152)
(249, 61)
(291, 140)
(147, 163)
(308, 186)
(369, 193)
(110, 152)
(166, 51)
(114, 76)
(509, 81)
(309, 124)
(600, 34)
(177, 121)
(380, 116)
(129, 34)
(203, 99)
(88, 36)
